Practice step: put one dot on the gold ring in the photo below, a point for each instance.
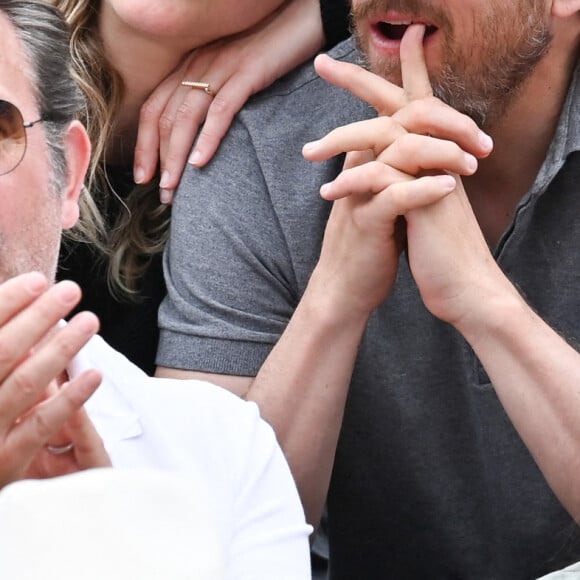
(205, 87)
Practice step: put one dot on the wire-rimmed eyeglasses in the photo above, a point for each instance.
(12, 136)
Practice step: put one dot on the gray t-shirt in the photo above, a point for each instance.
(430, 478)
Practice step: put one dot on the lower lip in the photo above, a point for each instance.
(392, 48)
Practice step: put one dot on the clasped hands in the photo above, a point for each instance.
(405, 163)
(39, 404)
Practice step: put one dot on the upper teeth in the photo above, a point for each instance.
(400, 23)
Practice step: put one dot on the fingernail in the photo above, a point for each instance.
(447, 182)
(165, 196)
(195, 158)
(164, 180)
(68, 292)
(325, 189)
(139, 175)
(309, 146)
(485, 141)
(86, 323)
(470, 163)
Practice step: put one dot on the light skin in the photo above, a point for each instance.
(159, 118)
(521, 136)
(235, 68)
(39, 405)
(161, 35)
(311, 365)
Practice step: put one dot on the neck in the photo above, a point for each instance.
(522, 137)
(143, 63)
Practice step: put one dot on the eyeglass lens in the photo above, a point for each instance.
(12, 137)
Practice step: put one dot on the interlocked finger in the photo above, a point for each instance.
(374, 135)
(415, 154)
(371, 178)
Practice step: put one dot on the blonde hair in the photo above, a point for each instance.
(141, 229)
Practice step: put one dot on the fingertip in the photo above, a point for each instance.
(209, 142)
(68, 292)
(323, 63)
(196, 158)
(87, 322)
(166, 196)
(486, 143)
(329, 193)
(35, 282)
(415, 32)
(471, 163)
(139, 175)
(95, 376)
(321, 59)
(447, 183)
(308, 149)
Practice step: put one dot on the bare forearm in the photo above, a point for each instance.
(302, 387)
(536, 375)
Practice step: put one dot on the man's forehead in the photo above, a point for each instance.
(14, 82)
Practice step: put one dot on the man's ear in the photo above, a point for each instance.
(77, 148)
(565, 8)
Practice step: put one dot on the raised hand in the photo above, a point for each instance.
(33, 358)
(407, 158)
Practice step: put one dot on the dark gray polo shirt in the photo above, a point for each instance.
(430, 481)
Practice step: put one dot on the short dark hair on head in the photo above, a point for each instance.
(45, 38)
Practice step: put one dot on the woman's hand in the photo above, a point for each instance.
(235, 68)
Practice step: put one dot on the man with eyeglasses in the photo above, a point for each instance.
(207, 438)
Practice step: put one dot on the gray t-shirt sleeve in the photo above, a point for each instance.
(231, 287)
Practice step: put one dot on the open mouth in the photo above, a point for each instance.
(392, 31)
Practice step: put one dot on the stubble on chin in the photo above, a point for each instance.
(480, 80)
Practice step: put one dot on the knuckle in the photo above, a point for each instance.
(220, 105)
(431, 102)
(67, 347)
(185, 112)
(165, 124)
(143, 152)
(406, 144)
(376, 169)
(174, 163)
(42, 425)
(386, 124)
(25, 384)
(150, 109)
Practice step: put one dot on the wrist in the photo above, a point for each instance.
(493, 314)
(333, 304)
